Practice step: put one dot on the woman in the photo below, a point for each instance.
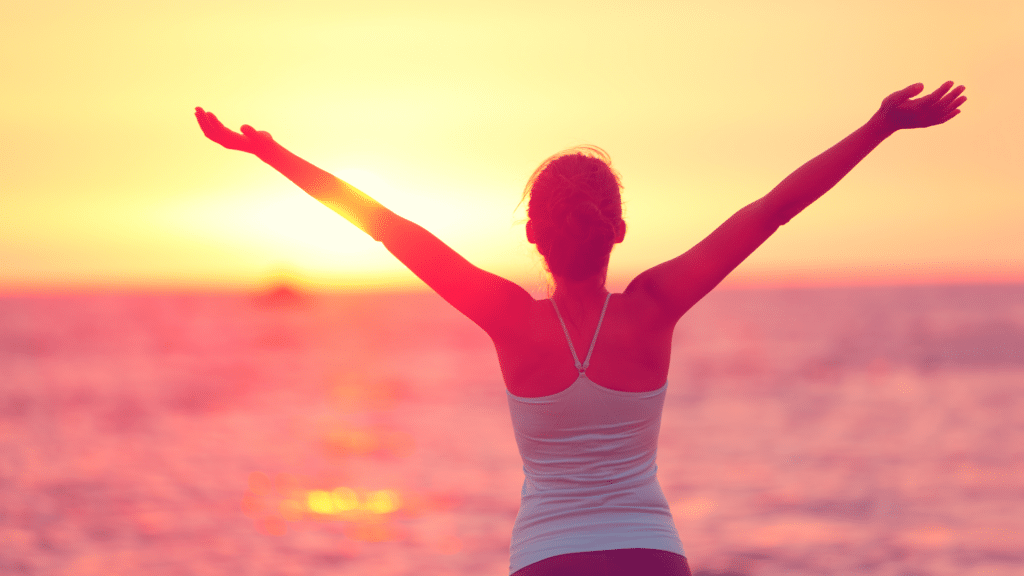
(586, 418)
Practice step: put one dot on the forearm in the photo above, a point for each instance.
(355, 206)
(820, 174)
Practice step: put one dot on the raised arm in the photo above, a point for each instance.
(680, 283)
(489, 300)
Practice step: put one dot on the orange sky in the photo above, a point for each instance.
(442, 110)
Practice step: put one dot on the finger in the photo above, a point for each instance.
(948, 116)
(945, 101)
(907, 93)
(204, 120)
(212, 127)
(934, 96)
(217, 124)
(900, 96)
(913, 89)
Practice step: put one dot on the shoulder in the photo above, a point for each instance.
(645, 303)
(521, 319)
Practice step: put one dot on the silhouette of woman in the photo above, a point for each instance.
(586, 371)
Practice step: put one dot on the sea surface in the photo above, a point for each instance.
(845, 431)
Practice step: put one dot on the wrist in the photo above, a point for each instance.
(878, 127)
(270, 152)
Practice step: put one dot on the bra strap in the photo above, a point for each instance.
(586, 362)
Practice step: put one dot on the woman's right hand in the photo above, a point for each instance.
(899, 112)
(249, 140)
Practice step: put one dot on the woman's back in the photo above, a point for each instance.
(589, 451)
(631, 352)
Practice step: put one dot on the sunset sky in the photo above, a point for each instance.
(442, 110)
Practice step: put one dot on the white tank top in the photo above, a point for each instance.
(589, 464)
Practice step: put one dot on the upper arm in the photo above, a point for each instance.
(487, 299)
(490, 301)
(676, 285)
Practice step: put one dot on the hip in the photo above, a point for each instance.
(610, 562)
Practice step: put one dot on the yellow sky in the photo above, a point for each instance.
(442, 110)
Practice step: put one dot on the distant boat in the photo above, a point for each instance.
(282, 294)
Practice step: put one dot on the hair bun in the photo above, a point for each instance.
(588, 222)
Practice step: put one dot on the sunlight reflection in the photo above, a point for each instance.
(342, 500)
(319, 501)
(382, 502)
(345, 499)
(274, 502)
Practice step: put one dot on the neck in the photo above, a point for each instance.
(585, 290)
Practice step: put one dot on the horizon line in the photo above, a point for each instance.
(302, 286)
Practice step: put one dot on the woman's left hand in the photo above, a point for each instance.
(249, 140)
(900, 112)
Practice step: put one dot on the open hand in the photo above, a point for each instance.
(249, 140)
(898, 111)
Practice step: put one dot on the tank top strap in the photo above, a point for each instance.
(582, 367)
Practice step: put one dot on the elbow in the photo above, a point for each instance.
(783, 219)
(772, 213)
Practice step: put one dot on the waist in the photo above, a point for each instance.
(590, 479)
(557, 522)
(636, 490)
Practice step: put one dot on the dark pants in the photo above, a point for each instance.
(639, 561)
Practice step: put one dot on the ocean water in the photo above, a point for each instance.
(806, 432)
